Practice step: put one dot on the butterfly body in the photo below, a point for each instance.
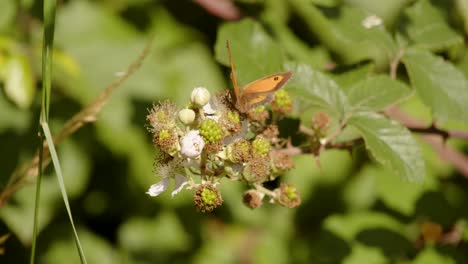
(258, 92)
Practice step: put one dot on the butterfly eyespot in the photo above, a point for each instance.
(276, 78)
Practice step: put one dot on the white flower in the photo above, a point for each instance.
(371, 21)
(192, 144)
(200, 96)
(208, 109)
(156, 189)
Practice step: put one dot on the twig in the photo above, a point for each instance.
(87, 115)
(445, 152)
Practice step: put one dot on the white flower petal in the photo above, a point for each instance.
(180, 182)
(209, 109)
(192, 144)
(158, 188)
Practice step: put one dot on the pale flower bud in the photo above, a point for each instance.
(200, 96)
(192, 144)
(187, 116)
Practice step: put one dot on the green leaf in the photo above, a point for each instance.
(388, 10)
(98, 249)
(254, 52)
(58, 171)
(429, 255)
(440, 85)
(377, 92)
(349, 226)
(390, 144)
(408, 192)
(317, 90)
(161, 234)
(346, 35)
(19, 80)
(427, 28)
(7, 15)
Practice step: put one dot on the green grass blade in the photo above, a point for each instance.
(58, 172)
(49, 7)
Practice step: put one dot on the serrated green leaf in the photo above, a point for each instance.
(377, 92)
(390, 144)
(316, 90)
(440, 85)
(426, 27)
(254, 52)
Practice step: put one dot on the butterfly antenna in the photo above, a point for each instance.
(233, 71)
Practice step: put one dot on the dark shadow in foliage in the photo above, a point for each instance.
(435, 207)
(323, 202)
(458, 253)
(392, 244)
(328, 249)
(326, 246)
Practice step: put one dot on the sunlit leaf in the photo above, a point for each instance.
(316, 90)
(439, 84)
(427, 27)
(390, 144)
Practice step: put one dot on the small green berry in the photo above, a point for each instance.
(207, 198)
(233, 117)
(211, 131)
(282, 102)
(288, 196)
(261, 146)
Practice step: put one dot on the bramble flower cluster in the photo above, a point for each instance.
(210, 139)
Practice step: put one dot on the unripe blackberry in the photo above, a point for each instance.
(259, 114)
(239, 152)
(211, 131)
(257, 170)
(287, 196)
(167, 141)
(207, 198)
(282, 102)
(261, 146)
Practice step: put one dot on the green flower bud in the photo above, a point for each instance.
(187, 116)
(200, 96)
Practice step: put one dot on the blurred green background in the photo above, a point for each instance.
(353, 210)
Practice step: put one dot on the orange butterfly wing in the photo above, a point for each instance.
(257, 92)
(261, 91)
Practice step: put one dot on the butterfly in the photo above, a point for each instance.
(258, 92)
